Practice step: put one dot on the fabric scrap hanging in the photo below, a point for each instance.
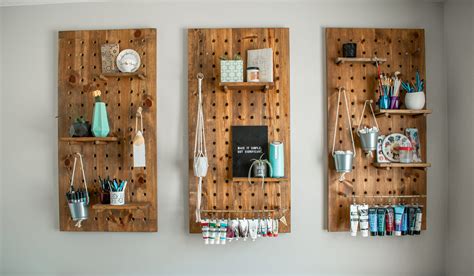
(200, 153)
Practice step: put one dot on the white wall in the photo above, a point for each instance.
(459, 29)
(32, 242)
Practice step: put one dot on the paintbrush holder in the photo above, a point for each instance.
(104, 197)
(384, 102)
(394, 102)
(117, 198)
(78, 210)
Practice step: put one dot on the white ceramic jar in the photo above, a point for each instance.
(415, 100)
(253, 74)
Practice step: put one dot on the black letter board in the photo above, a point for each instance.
(248, 142)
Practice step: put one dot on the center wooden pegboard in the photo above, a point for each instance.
(224, 108)
(404, 51)
(79, 73)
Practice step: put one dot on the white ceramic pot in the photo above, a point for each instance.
(415, 100)
(117, 198)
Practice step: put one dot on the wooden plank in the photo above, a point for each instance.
(128, 206)
(79, 74)
(402, 165)
(342, 60)
(386, 112)
(401, 50)
(244, 106)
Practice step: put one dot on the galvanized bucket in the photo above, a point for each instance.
(259, 169)
(79, 210)
(343, 161)
(368, 140)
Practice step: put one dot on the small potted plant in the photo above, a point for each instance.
(232, 70)
(259, 167)
(415, 96)
(80, 128)
(100, 123)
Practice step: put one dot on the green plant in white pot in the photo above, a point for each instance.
(259, 167)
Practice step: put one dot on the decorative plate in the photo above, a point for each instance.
(391, 143)
(128, 61)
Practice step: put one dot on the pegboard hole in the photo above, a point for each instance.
(252, 194)
(240, 194)
(265, 194)
(226, 194)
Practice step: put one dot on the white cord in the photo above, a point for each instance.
(348, 121)
(199, 144)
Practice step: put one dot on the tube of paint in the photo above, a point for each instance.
(263, 224)
(364, 219)
(212, 230)
(218, 231)
(230, 231)
(398, 219)
(275, 228)
(373, 221)
(244, 228)
(277, 159)
(205, 230)
(223, 231)
(253, 228)
(405, 221)
(389, 227)
(269, 227)
(354, 215)
(235, 229)
(419, 219)
(411, 220)
(381, 221)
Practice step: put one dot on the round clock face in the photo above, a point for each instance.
(128, 61)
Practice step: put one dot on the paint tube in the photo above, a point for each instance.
(389, 227)
(218, 231)
(263, 223)
(419, 219)
(259, 229)
(235, 229)
(269, 227)
(205, 230)
(244, 228)
(354, 219)
(275, 228)
(364, 219)
(405, 221)
(411, 220)
(253, 228)
(230, 231)
(381, 221)
(399, 209)
(212, 230)
(223, 231)
(373, 221)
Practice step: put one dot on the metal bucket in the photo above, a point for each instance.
(79, 210)
(368, 141)
(260, 170)
(343, 162)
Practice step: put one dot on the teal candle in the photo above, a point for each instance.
(277, 159)
(100, 123)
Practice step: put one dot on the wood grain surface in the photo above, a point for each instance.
(79, 73)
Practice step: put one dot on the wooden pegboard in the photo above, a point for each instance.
(241, 106)
(404, 50)
(80, 73)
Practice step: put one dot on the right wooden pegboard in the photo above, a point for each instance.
(404, 51)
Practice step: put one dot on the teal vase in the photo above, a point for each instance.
(100, 123)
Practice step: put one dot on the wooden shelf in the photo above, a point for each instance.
(258, 179)
(95, 140)
(261, 86)
(342, 60)
(386, 112)
(128, 206)
(105, 76)
(388, 166)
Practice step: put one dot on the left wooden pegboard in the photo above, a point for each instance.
(80, 73)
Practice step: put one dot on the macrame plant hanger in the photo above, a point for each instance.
(343, 91)
(200, 153)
